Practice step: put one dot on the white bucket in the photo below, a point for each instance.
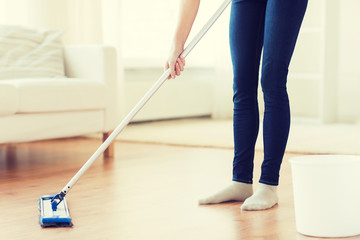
(327, 195)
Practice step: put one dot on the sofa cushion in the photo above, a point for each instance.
(30, 53)
(59, 94)
(8, 99)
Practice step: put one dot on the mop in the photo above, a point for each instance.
(53, 208)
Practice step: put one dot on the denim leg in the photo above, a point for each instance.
(283, 19)
(246, 40)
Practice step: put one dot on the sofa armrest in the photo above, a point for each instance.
(96, 63)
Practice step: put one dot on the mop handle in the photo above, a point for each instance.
(143, 100)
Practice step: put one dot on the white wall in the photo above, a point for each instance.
(80, 20)
(147, 35)
(148, 28)
(348, 104)
(147, 45)
(324, 77)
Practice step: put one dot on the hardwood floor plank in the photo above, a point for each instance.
(147, 192)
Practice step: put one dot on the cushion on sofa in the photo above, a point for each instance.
(8, 99)
(59, 94)
(30, 53)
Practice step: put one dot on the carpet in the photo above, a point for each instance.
(204, 132)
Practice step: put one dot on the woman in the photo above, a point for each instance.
(271, 26)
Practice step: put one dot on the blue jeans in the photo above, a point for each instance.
(271, 25)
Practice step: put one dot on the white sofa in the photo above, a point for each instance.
(45, 108)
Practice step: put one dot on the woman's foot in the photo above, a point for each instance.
(236, 191)
(264, 197)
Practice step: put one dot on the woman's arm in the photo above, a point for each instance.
(188, 12)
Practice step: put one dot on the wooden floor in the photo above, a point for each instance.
(145, 192)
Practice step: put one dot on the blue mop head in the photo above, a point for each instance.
(50, 218)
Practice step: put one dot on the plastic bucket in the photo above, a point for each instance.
(327, 195)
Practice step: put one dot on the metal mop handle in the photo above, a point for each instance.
(59, 197)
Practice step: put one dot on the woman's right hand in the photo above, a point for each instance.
(175, 62)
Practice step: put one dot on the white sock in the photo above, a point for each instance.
(236, 191)
(264, 197)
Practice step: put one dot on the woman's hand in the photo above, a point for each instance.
(175, 62)
(188, 12)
